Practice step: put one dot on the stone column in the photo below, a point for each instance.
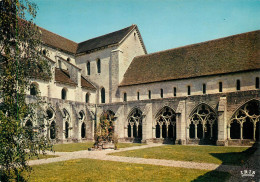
(228, 132)
(132, 131)
(241, 131)
(254, 131)
(167, 131)
(160, 131)
(188, 133)
(203, 131)
(196, 137)
(137, 131)
(211, 130)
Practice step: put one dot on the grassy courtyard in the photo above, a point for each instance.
(207, 154)
(72, 147)
(97, 170)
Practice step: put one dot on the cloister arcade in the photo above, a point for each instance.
(244, 123)
(203, 123)
(134, 126)
(165, 123)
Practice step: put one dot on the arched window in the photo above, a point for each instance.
(125, 97)
(83, 130)
(53, 130)
(87, 98)
(66, 129)
(203, 123)
(44, 52)
(63, 94)
(88, 68)
(98, 66)
(245, 122)
(135, 124)
(103, 95)
(33, 89)
(238, 84)
(165, 123)
(161, 93)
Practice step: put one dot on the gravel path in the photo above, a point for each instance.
(102, 155)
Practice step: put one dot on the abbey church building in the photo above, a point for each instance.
(205, 93)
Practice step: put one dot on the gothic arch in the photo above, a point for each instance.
(134, 123)
(203, 123)
(67, 123)
(244, 123)
(165, 123)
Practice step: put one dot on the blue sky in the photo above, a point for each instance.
(164, 24)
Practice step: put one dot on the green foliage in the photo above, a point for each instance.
(20, 60)
(104, 132)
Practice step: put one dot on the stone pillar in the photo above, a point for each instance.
(254, 131)
(188, 133)
(167, 131)
(211, 130)
(203, 131)
(132, 131)
(196, 137)
(181, 122)
(222, 121)
(228, 132)
(137, 131)
(160, 131)
(241, 131)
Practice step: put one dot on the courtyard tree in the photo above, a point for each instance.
(21, 120)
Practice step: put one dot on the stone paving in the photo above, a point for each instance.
(102, 155)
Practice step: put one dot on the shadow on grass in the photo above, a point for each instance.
(233, 158)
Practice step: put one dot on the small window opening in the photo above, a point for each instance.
(44, 52)
(188, 90)
(33, 89)
(138, 96)
(88, 68)
(98, 66)
(220, 86)
(238, 84)
(63, 94)
(174, 91)
(68, 59)
(161, 93)
(87, 98)
(257, 82)
(125, 97)
(204, 88)
(149, 94)
(103, 95)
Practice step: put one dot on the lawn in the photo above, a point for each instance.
(72, 147)
(207, 154)
(97, 170)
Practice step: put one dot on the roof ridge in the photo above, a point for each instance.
(194, 44)
(133, 25)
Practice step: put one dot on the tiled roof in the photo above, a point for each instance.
(104, 40)
(62, 76)
(86, 84)
(58, 41)
(226, 55)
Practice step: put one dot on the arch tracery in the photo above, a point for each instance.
(135, 123)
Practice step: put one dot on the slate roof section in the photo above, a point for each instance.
(86, 84)
(104, 40)
(226, 55)
(57, 41)
(62, 76)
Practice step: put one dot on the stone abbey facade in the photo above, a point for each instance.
(205, 93)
